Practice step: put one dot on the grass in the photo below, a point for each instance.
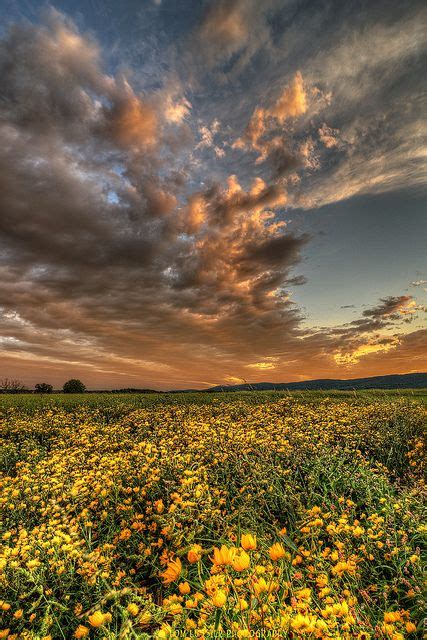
(32, 401)
(199, 515)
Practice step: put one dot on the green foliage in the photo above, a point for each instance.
(43, 387)
(74, 386)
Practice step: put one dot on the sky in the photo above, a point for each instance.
(203, 192)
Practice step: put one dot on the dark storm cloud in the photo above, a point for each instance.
(46, 72)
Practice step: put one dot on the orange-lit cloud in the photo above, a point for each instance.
(177, 110)
(254, 131)
(132, 122)
(267, 365)
(207, 136)
(196, 213)
(352, 357)
(226, 24)
(262, 133)
(292, 102)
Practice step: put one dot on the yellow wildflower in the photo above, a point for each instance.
(277, 551)
(97, 619)
(133, 609)
(248, 541)
(223, 556)
(219, 599)
(241, 561)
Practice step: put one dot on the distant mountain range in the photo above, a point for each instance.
(405, 381)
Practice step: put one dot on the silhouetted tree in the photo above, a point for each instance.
(43, 387)
(74, 386)
(11, 385)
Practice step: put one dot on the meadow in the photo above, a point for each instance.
(239, 515)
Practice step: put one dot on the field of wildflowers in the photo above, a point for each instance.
(269, 516)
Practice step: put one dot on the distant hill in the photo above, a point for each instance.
(405, 381)
(131, 390)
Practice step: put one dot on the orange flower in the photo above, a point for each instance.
(392, 616)
(172, 571)
(81, 631)
(184, 588)
(260, 586)
(248, 541)
(159, 506)
(277, 551)
(195, 553)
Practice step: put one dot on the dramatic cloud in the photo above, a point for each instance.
(146, 233)
(95, 225)
(356, 93)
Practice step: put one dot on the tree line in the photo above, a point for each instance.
(13, 385)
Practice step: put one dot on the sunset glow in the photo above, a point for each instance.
(193, 193)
